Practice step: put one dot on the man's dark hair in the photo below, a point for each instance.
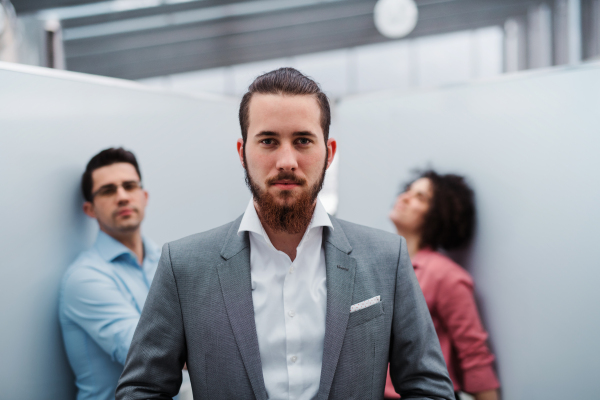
(102, 159)
(286, 81)
(450, 221)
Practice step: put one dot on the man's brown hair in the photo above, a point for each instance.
(286, 81)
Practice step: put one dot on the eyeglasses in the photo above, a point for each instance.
(111, 189)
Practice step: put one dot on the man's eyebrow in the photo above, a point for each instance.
(304, 133)
(114, 184)
(295, 134)
(267, 133)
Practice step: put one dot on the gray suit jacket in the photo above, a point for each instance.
(199, 310)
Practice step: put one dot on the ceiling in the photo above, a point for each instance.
(137, 39)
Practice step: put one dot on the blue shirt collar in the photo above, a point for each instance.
(109, 248)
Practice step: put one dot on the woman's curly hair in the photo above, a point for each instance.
(450, 221)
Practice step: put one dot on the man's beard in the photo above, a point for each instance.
(293, 218)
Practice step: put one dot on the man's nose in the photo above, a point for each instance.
(122, 195)
(286, 158)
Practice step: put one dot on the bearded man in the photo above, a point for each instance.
(286, 302)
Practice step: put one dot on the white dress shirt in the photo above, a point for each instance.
(290, 303)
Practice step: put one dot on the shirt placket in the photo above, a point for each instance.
(134, 281)
(292, 325)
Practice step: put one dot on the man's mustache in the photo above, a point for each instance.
(288, 176)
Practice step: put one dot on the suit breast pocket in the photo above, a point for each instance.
(365, 315)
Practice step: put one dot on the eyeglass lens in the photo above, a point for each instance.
(111, 190)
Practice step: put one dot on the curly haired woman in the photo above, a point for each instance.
(438, 212)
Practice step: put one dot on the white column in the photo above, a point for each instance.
(574, 31)
(539, 38)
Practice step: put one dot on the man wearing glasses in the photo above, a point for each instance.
(104, 290)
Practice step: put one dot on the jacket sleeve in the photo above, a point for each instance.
(417, 366)
(158, 350)
(456, 308)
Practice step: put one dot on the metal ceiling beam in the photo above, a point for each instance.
(198, 34)
(27, 6)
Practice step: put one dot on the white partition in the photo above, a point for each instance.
(51, 124)
(530, 145)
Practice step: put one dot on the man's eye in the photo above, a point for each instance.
(107, 191)
(267, 141)
(303, 141)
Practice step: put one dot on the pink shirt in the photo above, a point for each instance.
(448, 291)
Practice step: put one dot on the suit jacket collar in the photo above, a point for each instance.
(235, 280)
(236, 287)
(340, 270)
(235, 243)
(337, 237)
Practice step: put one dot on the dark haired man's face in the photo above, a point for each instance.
(285, 157)
(118, 213)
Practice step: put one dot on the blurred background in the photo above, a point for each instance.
(218, 46)
(503, 92)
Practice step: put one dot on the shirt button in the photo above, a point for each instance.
(291, 313)
(294, 359)
(291, 270)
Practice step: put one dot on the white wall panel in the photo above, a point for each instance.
(529, 145)
(383, 66)
(51, 124)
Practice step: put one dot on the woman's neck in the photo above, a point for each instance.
(413, 242)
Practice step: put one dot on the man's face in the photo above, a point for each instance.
(285, 150)
(119, 211)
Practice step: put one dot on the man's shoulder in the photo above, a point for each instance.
(377, 253)
(357, 232)
(364, 238)
(84, 272)
(87, 262)
(210, 241)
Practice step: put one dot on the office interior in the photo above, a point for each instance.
(503, 92)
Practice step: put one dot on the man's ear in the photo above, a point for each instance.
(240, 150)
(332, 148)
(88, 209)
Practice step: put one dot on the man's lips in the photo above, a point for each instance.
(125, 212)
(285, 185)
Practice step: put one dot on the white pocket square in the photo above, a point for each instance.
(365, 304)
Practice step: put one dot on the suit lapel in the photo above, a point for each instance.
(340, 269)
(234, 277)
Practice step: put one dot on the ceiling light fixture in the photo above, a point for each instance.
(395, 19)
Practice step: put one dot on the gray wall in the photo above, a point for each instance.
(530, 146)
(51, 123)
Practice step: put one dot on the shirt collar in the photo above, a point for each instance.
(109, 248)
(251, 222)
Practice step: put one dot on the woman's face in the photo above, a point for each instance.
(411, 206)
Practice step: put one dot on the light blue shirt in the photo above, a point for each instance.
(290, 305)
(101, 299)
